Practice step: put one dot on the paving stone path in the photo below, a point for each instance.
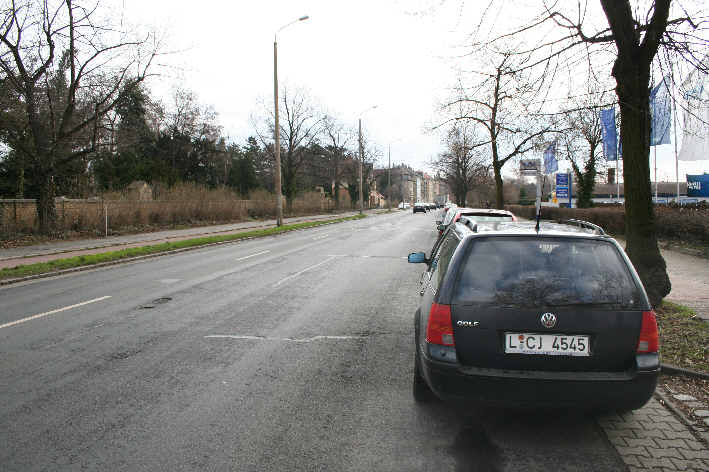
(653, 439)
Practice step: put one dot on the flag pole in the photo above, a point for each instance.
(655, 151)
(674, 102)
(617, 178)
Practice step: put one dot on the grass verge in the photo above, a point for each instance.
(92, 259)
(684, 338)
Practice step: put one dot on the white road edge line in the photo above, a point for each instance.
(293, 340)
(252, 255)
(47, 313)
(302, 271)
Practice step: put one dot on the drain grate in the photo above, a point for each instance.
(156, 302)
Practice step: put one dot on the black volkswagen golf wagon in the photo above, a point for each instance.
(554, 316)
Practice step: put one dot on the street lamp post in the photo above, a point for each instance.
(277, 128)
(389, 173)
(361, 161)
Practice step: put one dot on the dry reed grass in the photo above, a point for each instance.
(181, 204)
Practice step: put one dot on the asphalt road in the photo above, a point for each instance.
(287, 353)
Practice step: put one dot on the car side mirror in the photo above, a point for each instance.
(441, 227)
(417, 257)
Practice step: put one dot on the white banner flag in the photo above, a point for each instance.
(695, 139)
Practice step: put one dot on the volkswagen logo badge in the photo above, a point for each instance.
(548, 320)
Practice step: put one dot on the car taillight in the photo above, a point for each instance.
(440, 326)
(649, 340)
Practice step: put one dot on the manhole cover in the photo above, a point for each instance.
(154, 303)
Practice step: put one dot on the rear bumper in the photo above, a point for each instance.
(594, 390)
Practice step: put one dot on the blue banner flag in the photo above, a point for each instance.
(551, 165)
(660, 113)
(610, 138)
(698, 185)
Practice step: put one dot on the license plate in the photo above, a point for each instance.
(547, 344)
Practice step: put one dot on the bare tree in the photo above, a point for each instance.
(301, 126)
(632, 37)
(337, 139)
(66, 68)
(499, 103)
(580, 142)
(463, 164)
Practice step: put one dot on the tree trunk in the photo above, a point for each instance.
(499, 196)
(46, 211)
(633, 94)
(336, 195)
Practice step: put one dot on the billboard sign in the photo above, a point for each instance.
(530, 166)
(698, 185)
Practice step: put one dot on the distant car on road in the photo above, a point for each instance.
(552, 318)
(419, 207)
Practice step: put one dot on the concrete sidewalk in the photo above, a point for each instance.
(689, 276)
(44, 252)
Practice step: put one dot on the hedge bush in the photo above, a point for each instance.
(689, 223)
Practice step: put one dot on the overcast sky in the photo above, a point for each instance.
(399, 55)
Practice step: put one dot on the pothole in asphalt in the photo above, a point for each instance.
(156, 302)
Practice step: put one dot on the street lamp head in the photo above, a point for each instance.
(302, 18)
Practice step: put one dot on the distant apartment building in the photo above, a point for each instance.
(410, 185)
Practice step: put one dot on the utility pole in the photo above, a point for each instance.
(401, 174)
(389, 181)
(361, 160)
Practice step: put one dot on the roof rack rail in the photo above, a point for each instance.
(586, 224)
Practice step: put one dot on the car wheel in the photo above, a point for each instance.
(422, 392)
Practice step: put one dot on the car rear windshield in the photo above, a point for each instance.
(538, 272)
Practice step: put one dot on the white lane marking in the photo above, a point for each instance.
(168, 281)
(302, 271)
(293, 340)
(356, 256)
(317, 238)
(252, 255)
(47, 313)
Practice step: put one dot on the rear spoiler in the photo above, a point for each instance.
(585, 224)
(473, 225)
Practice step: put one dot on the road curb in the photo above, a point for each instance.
(667, 403)
(671, 369)
(148, 256)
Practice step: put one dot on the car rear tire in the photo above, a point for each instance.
(422, 392)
